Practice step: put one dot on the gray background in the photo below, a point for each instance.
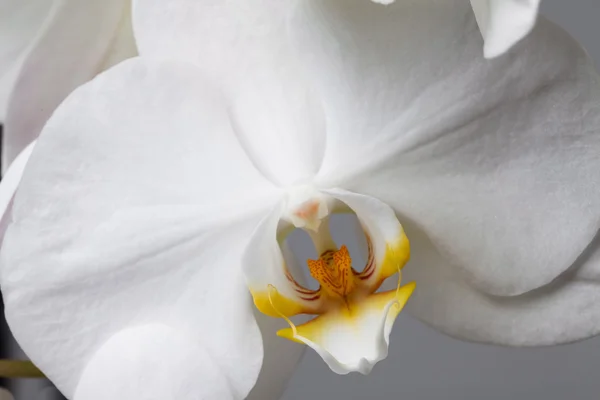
(424, 364)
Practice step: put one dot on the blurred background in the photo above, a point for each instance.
(422, 363)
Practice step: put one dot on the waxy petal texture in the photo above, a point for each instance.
(108, 237)
(564, 311)
(79, 40)
(495, 161)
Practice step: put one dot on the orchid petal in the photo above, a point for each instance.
(228, 39)
(564, 311)
(504, 22)
(143, 354)
(106, 237)
(495, 162)
(244, 46)
(20, 23)
(9, 184)
(167, 351)
(70, 50)
(282, 127)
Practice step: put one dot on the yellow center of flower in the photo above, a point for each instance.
(352, 320)
(333, 270)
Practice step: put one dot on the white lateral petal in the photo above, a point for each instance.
(135, 209)
(69, 51)
(172, 265)
(145, 133)
(244, 46)
(564, 311)
(493, 159)
(20, 23)
(504, 22)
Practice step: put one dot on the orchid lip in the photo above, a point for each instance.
(352, 321)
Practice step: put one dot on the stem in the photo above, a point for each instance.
(19, 369)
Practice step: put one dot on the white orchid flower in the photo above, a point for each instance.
(149, 216)
(47, 49)
(503, 23)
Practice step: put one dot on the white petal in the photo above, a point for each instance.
(356, 339)
(504, 22)
(282, 125)
(70, 50)
(159, 362)
(9, 184)
(134, 209)
(245, 47)
(167, 351)
(229, 38)
(382, 71)
(172, 265)
(493, 159)
(20, 23)
(564, 311)
(145, 133)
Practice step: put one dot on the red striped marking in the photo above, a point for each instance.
(370, 267)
